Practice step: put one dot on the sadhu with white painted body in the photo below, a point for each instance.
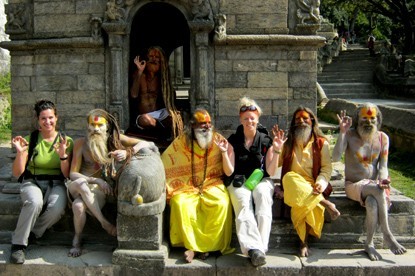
(366, 151)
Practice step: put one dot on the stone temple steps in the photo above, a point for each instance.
(338, 252)
(350, 75)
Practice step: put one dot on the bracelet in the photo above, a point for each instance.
(63, 158)
(224, 151)
(277, 151)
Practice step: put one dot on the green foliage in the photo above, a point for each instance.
(5, 125)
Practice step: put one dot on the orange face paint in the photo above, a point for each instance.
(368, 113)
(303, 116)
(202, 117)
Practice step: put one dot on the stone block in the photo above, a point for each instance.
(139, 233)
(255, 53)
(304, 80)
(297, 66)
(254, 65)
(91, 82)
(140, 262)
(267, 79)
(248, 7)
(62, 24)
(96, 68)
(54, 7)
(24, 98)
(308, 55)
(55, 83)
(231, 79)
(21, 70)
(21, 84)
(223, 65)
(260, 21)
(90, 7)
(21, 60)
(255, 93)
(67, 68)
(80, 97)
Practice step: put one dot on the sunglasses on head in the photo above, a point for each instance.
(248, 108)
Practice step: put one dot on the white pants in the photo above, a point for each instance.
(29, 219)
(253, 229)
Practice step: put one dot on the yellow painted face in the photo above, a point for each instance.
(97, 123)
(367, 114)
(202, 119)
(303, 116)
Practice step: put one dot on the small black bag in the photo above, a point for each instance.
(238, 180)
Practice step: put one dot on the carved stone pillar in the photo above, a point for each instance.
(200, 68)
(116, 97)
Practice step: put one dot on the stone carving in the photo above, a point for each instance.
(308, 11)
(16, 18)
(143, 180)
(96, 23)
(201, 10)
(114, 11)
(220, 28)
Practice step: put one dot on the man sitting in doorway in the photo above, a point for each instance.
(157, 113)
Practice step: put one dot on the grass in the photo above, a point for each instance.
(5, 124)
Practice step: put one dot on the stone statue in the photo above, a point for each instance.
(201, 9)
(308, 11)
(16, 17)
(114, 11)
(143, 179)
(220, 29)
(96, 23)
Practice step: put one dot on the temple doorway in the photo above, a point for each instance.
(163, 25)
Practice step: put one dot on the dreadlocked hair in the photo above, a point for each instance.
(114, 140)
(169, 95)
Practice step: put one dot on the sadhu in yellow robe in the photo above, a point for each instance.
(201, 212)
(298, 189)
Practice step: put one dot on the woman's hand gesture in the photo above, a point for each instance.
(279, 138)
(20, 144)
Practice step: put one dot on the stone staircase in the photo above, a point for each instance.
(338, 252)
(350, 75)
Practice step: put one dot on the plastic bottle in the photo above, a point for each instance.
(254, 179)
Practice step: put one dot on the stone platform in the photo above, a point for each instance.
(338, 252)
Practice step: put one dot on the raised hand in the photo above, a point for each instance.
(279, 138)
(105, 187)
(141, 64)
(20, 144)
(345, 122)
(221, 142)
(61, 147)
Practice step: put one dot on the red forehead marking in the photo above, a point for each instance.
(96, 118)
(369, 112)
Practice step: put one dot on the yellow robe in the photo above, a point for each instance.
(201, 212)
(298, 191)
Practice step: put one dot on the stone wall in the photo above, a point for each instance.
(4, 54)
(77, 54)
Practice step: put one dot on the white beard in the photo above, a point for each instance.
(302, 134)
(203, 137)
(97, 143)
(366, 131)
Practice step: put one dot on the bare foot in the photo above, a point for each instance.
(304, 250)
(76, 249)
(111, 229)
(334, 213)
(189, 255)
(393, 245)
(372, 253)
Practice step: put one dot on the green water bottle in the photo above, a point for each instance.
(254, 179)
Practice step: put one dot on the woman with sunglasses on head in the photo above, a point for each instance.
(256, 156)
(42, 163)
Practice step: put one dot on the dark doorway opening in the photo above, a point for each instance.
(163, 25)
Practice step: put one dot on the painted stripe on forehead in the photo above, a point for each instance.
(368, 112)
(97, 120)
(202, 117)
